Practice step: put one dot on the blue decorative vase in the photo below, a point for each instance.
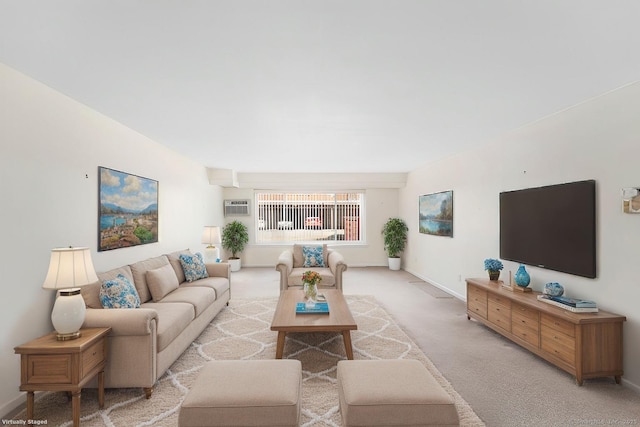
(521, 277)
(553, 289)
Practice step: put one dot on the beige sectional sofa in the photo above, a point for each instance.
(145, 341)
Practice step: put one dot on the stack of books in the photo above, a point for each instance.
(572, 304)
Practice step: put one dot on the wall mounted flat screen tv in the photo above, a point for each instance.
(552, 227)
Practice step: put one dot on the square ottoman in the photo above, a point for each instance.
(392, 393)
(244, 393)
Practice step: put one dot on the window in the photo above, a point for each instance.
(303, 217)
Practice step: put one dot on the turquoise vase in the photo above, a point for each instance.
(521, 277)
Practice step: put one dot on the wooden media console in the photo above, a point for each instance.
(587, 345)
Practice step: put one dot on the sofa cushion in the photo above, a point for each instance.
(119, 293)
(313, 256)
(193, 266)
(295, 278)
(219, 284)
(298, 256)
(174, 260)
(200, 297)
(172, 320)
(161, 281)
(139, 272)
(91, 293)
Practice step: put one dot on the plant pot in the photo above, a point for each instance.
(394, 263)
(494, 274)
(235, 264)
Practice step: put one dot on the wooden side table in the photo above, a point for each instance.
(47, 364)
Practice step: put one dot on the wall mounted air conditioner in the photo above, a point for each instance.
(236, 207)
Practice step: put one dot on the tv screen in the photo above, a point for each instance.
(552, 227)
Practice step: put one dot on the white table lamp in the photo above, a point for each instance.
(69, 269)
(211, 237)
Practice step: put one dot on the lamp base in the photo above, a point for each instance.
(68, 314)
(69, 336)
(211, 254)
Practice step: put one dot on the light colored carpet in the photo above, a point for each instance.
(241, 331)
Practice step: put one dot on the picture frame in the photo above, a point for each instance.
(127, 210)
(435, 214)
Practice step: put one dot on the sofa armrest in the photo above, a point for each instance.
(285, 266)
(337, 267)
(123, 321)
(218, 269)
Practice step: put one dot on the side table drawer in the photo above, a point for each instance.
(46, 369)
(92, 357)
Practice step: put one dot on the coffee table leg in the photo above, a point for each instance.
(346, 336)
(280, 344)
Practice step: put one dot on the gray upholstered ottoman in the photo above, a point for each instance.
(244, 393)
(392, 392)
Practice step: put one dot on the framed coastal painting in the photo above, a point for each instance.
(436, 214)
(128, 210)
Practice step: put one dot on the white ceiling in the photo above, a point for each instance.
(324, 85)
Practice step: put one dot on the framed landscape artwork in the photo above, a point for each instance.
(436, 214)
(128, 210)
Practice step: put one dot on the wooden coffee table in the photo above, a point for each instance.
(339, 318)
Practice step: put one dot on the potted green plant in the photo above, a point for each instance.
(395, 238)
(235, 237)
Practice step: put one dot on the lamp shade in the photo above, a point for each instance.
(70, 268)
(211, 235)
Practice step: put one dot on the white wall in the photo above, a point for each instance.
(381, 204)
(50, 150)
(599, 139)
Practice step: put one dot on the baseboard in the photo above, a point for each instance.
(12, 407)
(439, 286)
(631, 385)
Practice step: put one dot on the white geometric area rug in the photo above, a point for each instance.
(241, 331)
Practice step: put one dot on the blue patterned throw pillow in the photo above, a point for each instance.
(119, 293)
(312, 256)
(193, 266)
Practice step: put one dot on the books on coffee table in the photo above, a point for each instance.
(320, 308)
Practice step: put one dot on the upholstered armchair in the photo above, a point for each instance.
(293, 262)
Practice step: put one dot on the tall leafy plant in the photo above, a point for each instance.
(395, 236)
(235, 237)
